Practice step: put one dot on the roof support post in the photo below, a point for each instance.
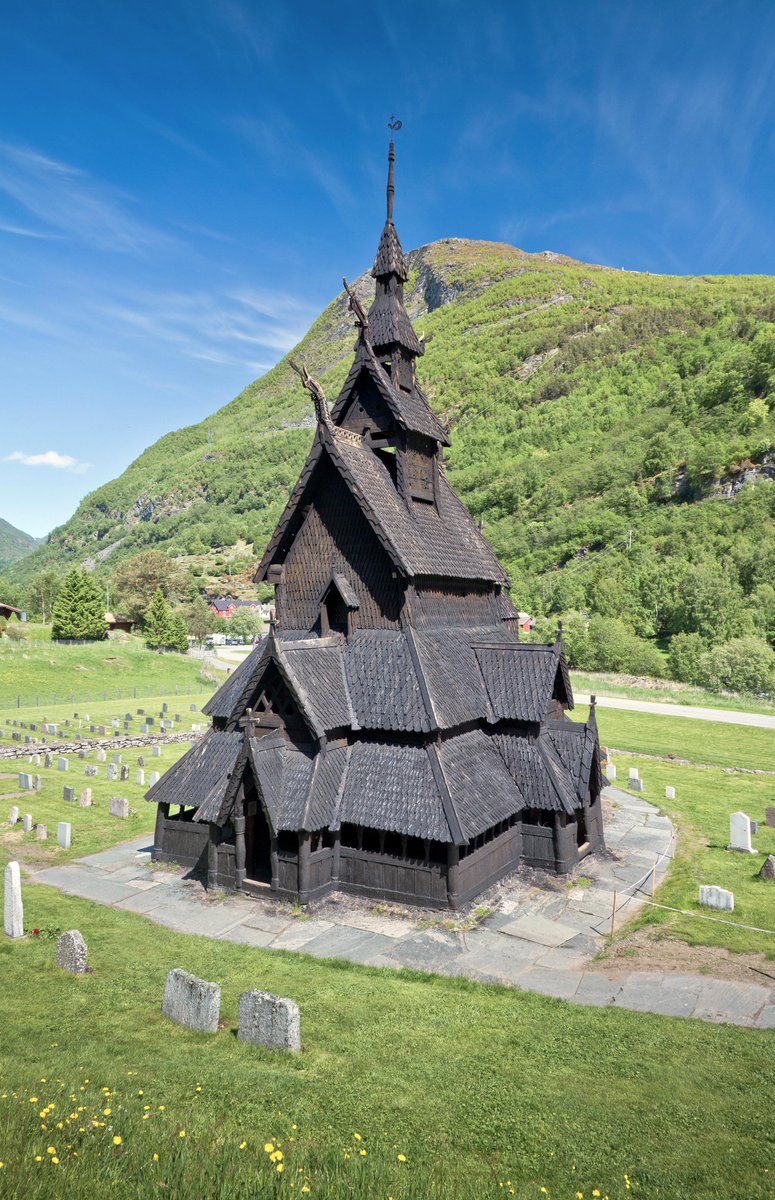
(453, 875)
(162, 813)
(336, 857)
(274, 859)
(565, 851)
(212, 856)
(239, 850)
(304, 843)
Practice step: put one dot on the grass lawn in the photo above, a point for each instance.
(703, 801)
(665, 691)
(48, 672)
(101, 712)
(697, 741)
(476, 1086)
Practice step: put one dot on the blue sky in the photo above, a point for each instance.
(183, 184)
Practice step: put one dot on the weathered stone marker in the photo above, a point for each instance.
(25, 781)
(140, 778)
(156, 751)
(41, 833)
(91, 771)
(64, 834)
(191, 1002)
(633, 774)
(271, 1021)
(68, 794)
(768, 868)
(112, 772)
(670, 793)
(717, 897)
(636, 785)
(610, 771)
(72, 953)
(86, 797)
(13, 909)
(27, 822)
(740, 833)
(116, 758)
(119, 807)
(13, 815)
(101, 756)
(63, 764)
(125, 773)
(771, 816)
(154, 778)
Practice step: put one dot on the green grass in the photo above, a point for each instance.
(696, 740)
(704, 799)
(476, 1085)
(49, 672)
(665, 692)
(101, 712)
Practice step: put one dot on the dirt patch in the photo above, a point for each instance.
(655, 950)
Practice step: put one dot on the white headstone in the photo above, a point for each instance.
(740, 833)
(670, 793)
(27, 822)
(634, 774)
(63, 764)
(156, 751)
(192, 1002)
(112, 771)
(610, 771)
(140, 778)
(119, 807)
(86, 797)
(13, 815)
(154, 778)
(64, 834)
(13, 910)
(101, 756)
(41, 833)
(717, 897)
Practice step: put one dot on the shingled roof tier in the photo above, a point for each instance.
(410, 409)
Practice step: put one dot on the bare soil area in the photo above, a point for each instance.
(655, 950)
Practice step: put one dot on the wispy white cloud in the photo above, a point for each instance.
(20, 231)
(49, 458)
(67, 199)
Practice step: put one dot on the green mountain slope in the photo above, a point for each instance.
(613, 430)
(14, 544)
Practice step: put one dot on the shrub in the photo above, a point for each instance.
(741, 665)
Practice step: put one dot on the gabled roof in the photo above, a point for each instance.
(541, 777)
(232, 697)
(345, 589)
(202, 776)
(283, 773)
(522, 677)
(390, 255)
(411, 410)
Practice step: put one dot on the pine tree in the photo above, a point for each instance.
(79, 611)
(157, 622)
(179, 633)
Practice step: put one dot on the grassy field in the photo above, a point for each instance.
(102, 712)
(665, 691)
(475, 1086)
(47, 673)
(696, 741)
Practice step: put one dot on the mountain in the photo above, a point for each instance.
(14, 544)
(613, 430)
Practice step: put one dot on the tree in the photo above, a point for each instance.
(178, 633)
(42, 592)
(79, 611)
(685, 655)
(138, 579)
(201, 620)
(742, 665)
(245, 624)
(158, 620)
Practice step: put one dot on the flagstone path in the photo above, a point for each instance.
(541, 938)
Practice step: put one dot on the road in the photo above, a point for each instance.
(724, 715)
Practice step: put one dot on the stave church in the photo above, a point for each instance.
(391, 736)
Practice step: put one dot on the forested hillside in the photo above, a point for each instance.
(14, 544)
(613, 430)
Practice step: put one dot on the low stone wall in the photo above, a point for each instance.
(70, 748)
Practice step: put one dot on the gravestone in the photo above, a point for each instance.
(63, 764)
(124, 773)
(72, 952)
(101, 756)
(140, 778)
(41, 833)
(611, 771)
(116, 758)
(271, 1021)
(119, 807)
(102, 730)
(633, 774)
(27, 822)
(64, 834)
(191, 1002)
(91, 771)
(68, 794)
(145, 729)
(82, 753)
(112, 772)
(154, 778)
(37, 783)
(140, 760)
(636, 785)
(128, 717)
(13, 909)
(670, 793)
(717, 897)
(192, 708)
(48, 759)
(178, 717)
(36, 760)
(156, 751)
(85, 797)
(164, 706)
(141, 712)
(768, 868)
(754, 828)
(25, 781)
(13, 815)
(771, 817)
(740, 833)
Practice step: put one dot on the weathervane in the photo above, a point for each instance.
(394, 123)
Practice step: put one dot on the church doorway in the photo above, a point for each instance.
(258, 839)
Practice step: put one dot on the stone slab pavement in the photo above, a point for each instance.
(541, 937)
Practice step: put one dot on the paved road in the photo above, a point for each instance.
(542, 937)
(726, 716)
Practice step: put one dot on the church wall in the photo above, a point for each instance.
(453, 604)
(366, 409)
(402, 880)
(487, 865)
(336, 536)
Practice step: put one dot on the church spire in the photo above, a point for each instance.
(391, 183)
(391, 329)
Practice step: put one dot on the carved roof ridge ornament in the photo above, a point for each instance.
(361, 316)
(316, 391)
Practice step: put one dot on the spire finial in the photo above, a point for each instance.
(393, 124)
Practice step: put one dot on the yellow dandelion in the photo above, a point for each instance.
(595, 1191)
(181, 1133)
(146, 1116)
(141, 1092)
(579, 1196)
(55, 1159)
(363, 1153)
(162, 1108)
(357, 1137)
(305, 1188)
(199, 1089)
(155, 1158)
(280, 1168)
(33, 1099)
(106, 1112)
(51, 1150)
(42, 1081)
(402, 1158)
(2, 1164)
(268, 1147)
(38, 1158)
(117, 1140)
(242, 1145)
(146, 1107)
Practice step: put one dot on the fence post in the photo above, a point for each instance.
(653, 879)
(18, 701)
(613, 915)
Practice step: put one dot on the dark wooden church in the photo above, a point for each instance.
(391, 736)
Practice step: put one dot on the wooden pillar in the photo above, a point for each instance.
(274, 859)
(162, 812)
(453, 875)
(304, 867)
(212, 857)
(337, 856)
(239, 851)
